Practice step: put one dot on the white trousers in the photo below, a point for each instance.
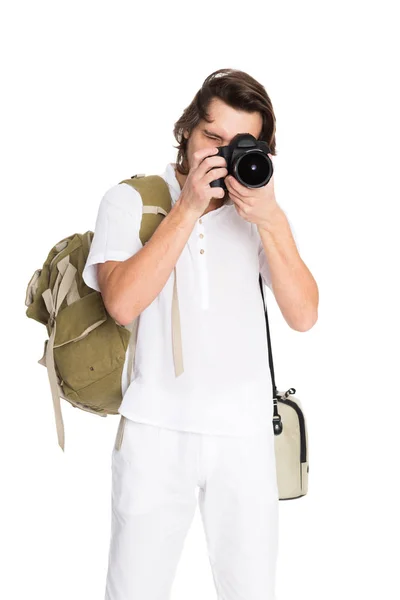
(155, 473)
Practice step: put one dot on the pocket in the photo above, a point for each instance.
(89, 345)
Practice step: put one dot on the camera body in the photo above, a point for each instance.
(247, 160)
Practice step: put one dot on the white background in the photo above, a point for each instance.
(90, 94)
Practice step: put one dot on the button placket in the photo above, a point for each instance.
(203, 277)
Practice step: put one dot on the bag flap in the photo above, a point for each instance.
(79, 318)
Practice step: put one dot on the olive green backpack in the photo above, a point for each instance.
(86, 349)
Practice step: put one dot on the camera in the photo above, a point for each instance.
(247, 160)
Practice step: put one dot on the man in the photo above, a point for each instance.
(211, 427)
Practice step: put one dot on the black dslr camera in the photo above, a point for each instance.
(247, 160)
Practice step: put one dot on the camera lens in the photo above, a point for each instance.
(254, 168)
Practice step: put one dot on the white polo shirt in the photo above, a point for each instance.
(226, 385)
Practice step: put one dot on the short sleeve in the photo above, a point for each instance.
(116, 233)
(263, 261)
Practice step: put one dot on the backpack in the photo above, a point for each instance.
(86, 349)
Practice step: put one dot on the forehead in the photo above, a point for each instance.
(228, 122)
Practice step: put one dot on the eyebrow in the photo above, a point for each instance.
(213, 134)
(208, 132)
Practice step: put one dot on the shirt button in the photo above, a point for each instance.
(200, 221)
(201, 235)
(202, 251)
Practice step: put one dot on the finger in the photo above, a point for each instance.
(200, 155)
(240, 204)
(233, 194)
(236, 186)
(209, 164)
(215, 173)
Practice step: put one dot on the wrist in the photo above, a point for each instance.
(275, 220)
(186, 215)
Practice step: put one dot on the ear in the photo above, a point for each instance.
(186, 134)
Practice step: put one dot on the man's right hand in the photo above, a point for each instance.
(197, 193)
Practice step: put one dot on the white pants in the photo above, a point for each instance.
(155, 473)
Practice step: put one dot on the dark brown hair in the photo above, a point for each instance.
(237, 89)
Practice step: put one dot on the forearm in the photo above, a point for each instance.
(294, 287)
(137, 281)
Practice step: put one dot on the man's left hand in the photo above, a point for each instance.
(256, 205)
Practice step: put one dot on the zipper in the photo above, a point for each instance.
(296, 407)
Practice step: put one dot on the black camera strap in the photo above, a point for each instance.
(276, 418)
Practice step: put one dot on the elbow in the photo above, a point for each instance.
(309, 315)
(121, 322)
(115, 312)
(307, 324)
(122, 317)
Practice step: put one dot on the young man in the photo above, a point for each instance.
(211, 427)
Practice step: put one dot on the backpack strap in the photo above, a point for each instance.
(176, 337)
(153, 187)
(53, 301)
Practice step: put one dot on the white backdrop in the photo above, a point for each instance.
(90, 94)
